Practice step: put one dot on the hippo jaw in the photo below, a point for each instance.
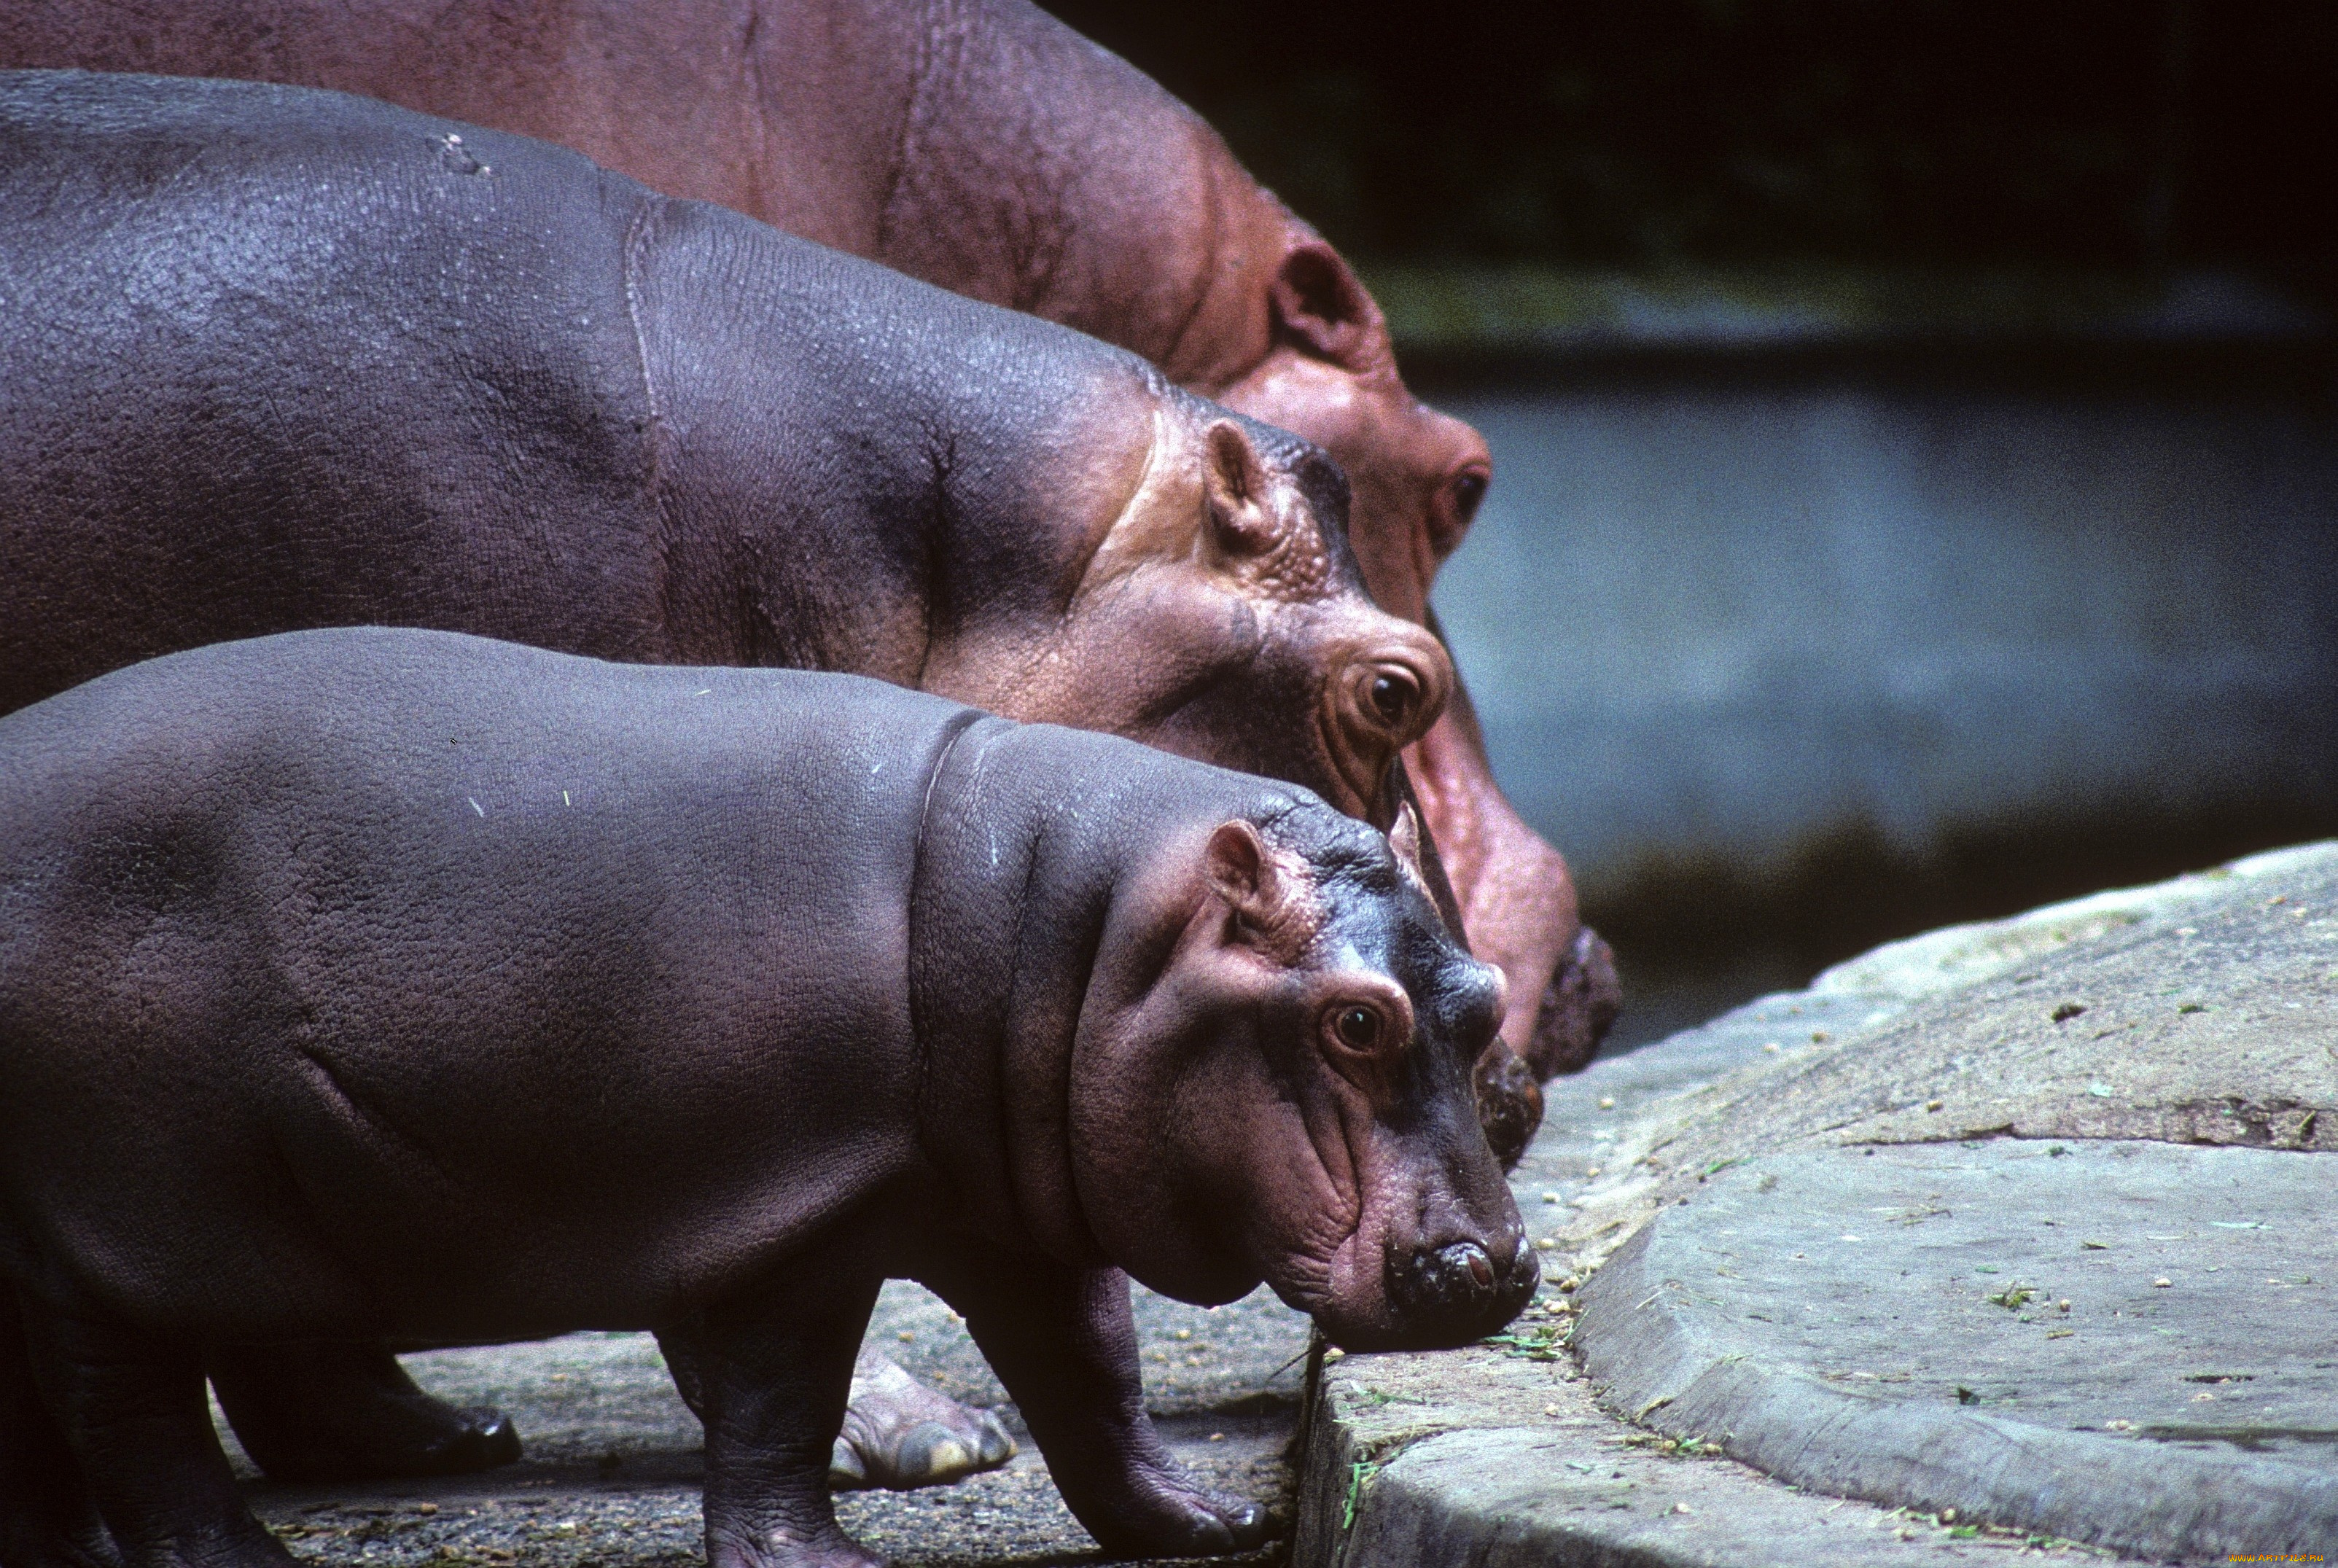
(1423, 1270)
(1288, 1098)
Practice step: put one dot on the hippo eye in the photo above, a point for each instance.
(1358, 1028)
(1469, 489)
(1393, 697)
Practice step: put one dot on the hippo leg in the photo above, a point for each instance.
(897, 1433)
(1064, 1342)
(134, 1412)
(770, 1374)
(47, 1517)
(326, 1412)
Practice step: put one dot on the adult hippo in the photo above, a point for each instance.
(273, 357)
(986, 147)
(373, 982)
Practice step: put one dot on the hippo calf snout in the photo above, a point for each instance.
(1451, 1280)
(1460, 1290)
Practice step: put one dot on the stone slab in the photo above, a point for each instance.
(2208, 1018)
(1577, 1186)
(2203, 1009)
(1491, 1458)
(1889, 1324)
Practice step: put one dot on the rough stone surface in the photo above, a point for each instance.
(610, 1477)
(1493, 1458)
(2133, 1343)
(2199, 1010)
(2193, 1072)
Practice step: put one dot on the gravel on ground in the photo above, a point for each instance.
(611, 1475)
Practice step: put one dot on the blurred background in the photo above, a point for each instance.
(1915, 428)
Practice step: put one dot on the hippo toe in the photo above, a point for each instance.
(901, 1435)
(1174, 1516)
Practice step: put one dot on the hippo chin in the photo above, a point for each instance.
(371, 984)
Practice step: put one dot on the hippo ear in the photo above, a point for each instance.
(1404, 839)
(1320, 304)
(1242, 516)
(1268, 892)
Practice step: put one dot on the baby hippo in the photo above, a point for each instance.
(370, 983)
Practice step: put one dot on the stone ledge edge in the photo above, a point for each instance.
(1648, 1367)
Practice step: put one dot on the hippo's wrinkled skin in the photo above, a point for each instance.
(373, 983)
(273, 358)
(983, 146)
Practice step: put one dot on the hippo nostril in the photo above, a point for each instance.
(1456, 1277)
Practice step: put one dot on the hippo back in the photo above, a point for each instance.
(243, 376)
(276, 357)
(437, 926)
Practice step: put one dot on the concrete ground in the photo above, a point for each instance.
(613, 1457)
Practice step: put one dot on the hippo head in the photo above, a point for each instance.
(1330, 375)
(1272, 1081)
(1208, 605)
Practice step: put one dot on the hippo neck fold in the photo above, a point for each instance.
(992, 1008)
(883, 468)
(1032, 838)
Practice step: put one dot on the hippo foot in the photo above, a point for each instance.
(1510, 1101)
(33, 1543)
(901, 1435)
(337, 1412)
(827, 1548)
(1165, 1513)
(1577, 1010)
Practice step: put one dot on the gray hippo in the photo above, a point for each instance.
(383, 983)
(984, 146)
(273, 358)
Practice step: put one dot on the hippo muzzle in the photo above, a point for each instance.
(1442, 1257)
(1457, 1293)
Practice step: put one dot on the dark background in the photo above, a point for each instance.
(1644, 133)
